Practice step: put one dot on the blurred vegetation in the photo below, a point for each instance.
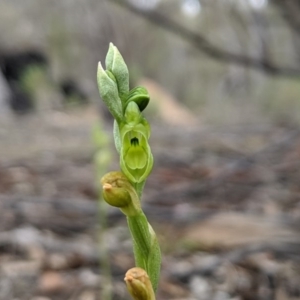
(75, 35)
(35, 83)
(102, 160)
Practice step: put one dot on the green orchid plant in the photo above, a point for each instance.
(123, 189)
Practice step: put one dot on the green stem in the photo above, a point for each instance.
(139, 187)
(145, 246)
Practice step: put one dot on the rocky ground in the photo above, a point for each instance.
(225, 203)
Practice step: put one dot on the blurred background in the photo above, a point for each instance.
(224, 194)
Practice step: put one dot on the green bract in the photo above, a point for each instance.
(136, 158)
(115, 63)
(109, 92)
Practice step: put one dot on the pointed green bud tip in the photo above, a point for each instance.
(115, 63)
(139, 285)
(140, 96)
(109, 57)
(109, 92)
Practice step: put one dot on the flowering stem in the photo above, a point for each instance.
(124, 189)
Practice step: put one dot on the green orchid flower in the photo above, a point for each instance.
(136, 159)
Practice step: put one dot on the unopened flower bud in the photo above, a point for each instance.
(116, 64)
(118, 192)
(115, 196)
(140, 96)
(139, 285)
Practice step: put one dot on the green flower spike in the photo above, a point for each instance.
(136, 159)
(124, 189)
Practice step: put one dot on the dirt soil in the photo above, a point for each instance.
(225, 203)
